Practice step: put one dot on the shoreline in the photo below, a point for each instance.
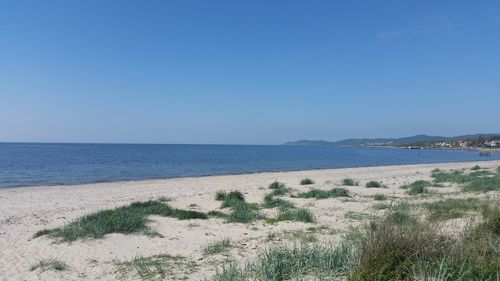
(27, 210)
(230, 174)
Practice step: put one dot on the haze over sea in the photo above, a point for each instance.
(34, 164)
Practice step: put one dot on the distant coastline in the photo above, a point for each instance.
(486, 142)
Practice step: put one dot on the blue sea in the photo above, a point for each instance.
(33, 164)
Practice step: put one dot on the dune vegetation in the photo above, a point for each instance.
(391, 237)
(128, 219)
(398, 246)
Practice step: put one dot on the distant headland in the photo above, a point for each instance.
(485, 141)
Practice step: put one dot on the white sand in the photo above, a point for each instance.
(23, 211)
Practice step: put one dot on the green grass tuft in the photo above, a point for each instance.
(417, 187)
(42, 232)
(232, 198)
(50, 264)
(302, 215)
(217, 247)
(272, 202)
(126, 220)
(396, 247)
(419, 183)
(306, 181)
(220, 195)
(476, 168)
(453, 208)
(373, 184)
(476, 181)
(322, 194)
(241, 212)
(349, 182)
(276, 185)
(290, 263)
(354, 216)
(279, 189)
(230, 272)
(381, 206)
(401, 215)
(389, 250)
(157, 267)
(483, 184)
(216, 214)
(379, 197)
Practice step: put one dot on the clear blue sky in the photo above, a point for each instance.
(254, 72)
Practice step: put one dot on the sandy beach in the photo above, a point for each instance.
(24, 211)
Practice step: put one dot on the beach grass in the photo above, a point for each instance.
(373, 184)
(230, 199)
(453, 208)
(277, 185)
(49, 264)
(272, 202)
(349, 182)
(322, 194)
(279, 189)
(381, 206)
(417, 187)
(217, 214)
(157, 267)
(476, 181)
(356, 216)
(379, 197)
(306, 181)
(241, 212)
(401, 214)
(399, 246)
(128, 219)
(483, 184)
(302, 215)
(290, 263)
(217, 247)
(294, 236)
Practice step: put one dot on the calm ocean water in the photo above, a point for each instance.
(54, 164)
